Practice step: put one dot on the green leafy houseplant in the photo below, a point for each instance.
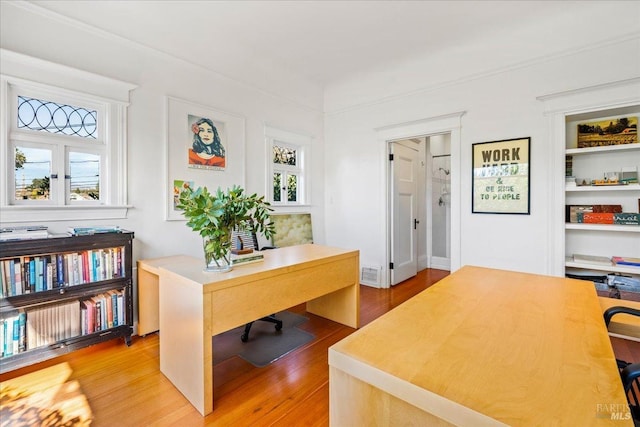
(215, 215)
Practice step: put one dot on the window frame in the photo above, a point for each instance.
(302, 145)
(59, 144)
(64, 85)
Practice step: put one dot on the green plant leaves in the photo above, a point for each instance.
(215, 216)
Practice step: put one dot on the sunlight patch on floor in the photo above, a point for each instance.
(44, 398)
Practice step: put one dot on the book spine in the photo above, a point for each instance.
(8, 336)
(85, 272)
(39, 275)
(12, 278)
(68, 269)
(15, 341)
(75, 268)
(18, 277)
(121, 310)
(32, 275)
(109, 303)
(626, 218)
(26, 280)
(596, 218)
(22, 335)
(91, 315)
(607, 208)
(4, 279)
(45, 272)
(114, 302)
(59, 271)
(50, 273)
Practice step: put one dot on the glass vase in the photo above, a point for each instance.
(216, 259)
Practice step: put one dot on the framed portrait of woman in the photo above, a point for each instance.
(204, 147)
(207, 146)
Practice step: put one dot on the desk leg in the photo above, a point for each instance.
(147, 302)
(186, 352)
(342, 306)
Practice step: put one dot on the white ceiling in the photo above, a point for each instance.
(322, 41)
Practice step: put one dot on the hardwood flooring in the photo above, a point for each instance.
(111, 384)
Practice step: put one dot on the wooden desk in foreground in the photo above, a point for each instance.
(482, 347)
(195, 305)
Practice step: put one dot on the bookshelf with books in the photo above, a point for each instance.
(64, 293)
(595, 192)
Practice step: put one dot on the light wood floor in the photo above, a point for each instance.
(111, 384)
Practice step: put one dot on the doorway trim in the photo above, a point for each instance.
(448, 123)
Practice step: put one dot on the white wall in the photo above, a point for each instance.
(498, 105)
(50, 37)
(351, 182)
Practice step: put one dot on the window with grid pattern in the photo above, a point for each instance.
(287, 167)
(62, 142)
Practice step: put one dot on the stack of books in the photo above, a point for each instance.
(24, 232)
(86, 231)
(255, 256)
(620, 260)
(606, 261)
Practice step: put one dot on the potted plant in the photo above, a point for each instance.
(216, 215)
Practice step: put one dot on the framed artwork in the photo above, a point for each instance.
(622, 130)
(501, 177)
(178, 186)
(204, 148)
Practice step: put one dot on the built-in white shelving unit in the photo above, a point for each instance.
(565, 111)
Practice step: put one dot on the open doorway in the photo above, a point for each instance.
(449, 124)
(419, 205)
(439, 213)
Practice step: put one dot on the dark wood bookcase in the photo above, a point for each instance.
(82, 294)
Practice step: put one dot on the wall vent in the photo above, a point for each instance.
(370, 276)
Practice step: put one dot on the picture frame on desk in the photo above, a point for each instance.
(203, 145)
(500, 177)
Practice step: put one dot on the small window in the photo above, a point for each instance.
(63, 169)
(287, 167)
(66, 136)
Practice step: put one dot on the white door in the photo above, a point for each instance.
(404, 241)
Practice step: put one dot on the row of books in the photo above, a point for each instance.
(622, 218)
(27, 329)
(28, 274)
(28, 232)
(102, 312)
(606, 261)
(600, 214)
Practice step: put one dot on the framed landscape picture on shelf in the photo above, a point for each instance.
(501, 177)
(622, 130)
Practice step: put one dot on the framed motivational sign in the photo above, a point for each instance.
(501, 177)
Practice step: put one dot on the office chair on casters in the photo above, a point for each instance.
(291, 229)
(248, 240)
(629, 372)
